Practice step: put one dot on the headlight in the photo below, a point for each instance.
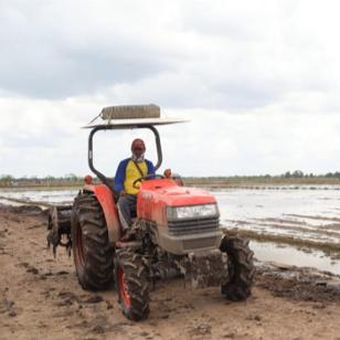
(193, 211)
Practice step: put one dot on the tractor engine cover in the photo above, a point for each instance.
(182, 219)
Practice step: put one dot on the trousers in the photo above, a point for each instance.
(126, 210)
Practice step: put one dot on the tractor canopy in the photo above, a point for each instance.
(128, 117)
(132, 116)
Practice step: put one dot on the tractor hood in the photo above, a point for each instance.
(157, 196)
(170, 193)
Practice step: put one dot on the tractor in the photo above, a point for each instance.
(177, 229)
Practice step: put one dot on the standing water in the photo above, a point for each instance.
(311, 214)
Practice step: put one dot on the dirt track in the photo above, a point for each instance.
(41, 299)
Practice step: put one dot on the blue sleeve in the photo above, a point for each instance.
(120, 176)
(151, 168)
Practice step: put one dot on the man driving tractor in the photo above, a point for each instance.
(128, 171)
(176, 234)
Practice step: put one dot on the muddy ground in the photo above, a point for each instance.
(41, 299)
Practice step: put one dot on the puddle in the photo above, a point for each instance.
(51, 197)
(291, 256)
(9, 202)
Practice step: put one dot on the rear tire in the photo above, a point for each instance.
(241, 268)
(132, 284)
(92, 252)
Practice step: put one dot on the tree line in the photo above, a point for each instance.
(10, 180)
(300, 174)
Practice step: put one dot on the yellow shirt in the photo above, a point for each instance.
(131, 174)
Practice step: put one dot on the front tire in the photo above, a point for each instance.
(241, 269)
(132, 284)
(92, 252)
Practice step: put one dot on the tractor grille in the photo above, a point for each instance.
(194, 226)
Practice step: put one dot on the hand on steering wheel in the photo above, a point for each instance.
(142, 178)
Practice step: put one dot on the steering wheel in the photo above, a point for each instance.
(142, 178)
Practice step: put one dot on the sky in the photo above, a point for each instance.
(259, 81)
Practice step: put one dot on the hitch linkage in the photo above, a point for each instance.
(59, 227)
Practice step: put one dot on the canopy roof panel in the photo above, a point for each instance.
(136, 122)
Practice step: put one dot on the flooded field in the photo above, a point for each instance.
(11, 196)
(309, 214)
(293, 225)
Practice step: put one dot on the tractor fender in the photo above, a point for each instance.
(105, 198)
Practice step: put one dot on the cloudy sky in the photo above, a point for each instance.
(259, 80)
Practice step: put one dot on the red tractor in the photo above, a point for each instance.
(177, 230)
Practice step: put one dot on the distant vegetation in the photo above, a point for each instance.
(296, 177)
(48, 181)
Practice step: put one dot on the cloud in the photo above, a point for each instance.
(260, 81)
(227, 55)
(51, 53)
(44, 137)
